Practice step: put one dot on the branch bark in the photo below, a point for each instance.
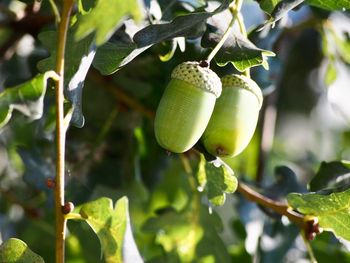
(61, 222)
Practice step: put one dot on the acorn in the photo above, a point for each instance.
(186, 106)
(235, 117)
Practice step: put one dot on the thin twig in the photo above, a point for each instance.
(236, 12)
(278, 207)
(61, 133)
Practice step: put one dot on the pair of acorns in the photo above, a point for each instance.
(192, 107)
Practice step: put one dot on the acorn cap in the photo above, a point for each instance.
(241, 81)
(201, 77)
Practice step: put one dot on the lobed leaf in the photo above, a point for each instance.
(15, 250)
(78, 59)
(268, 5)
(191, 234)
(191, 25)
(28, 98)
(331, 175)
(112, 226)
(332, 211)
(280, 10)
(105, 18)
(121, 50)
(217, 181)
(330, 4)
(237, 49)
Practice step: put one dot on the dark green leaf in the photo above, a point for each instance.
(275, 241)
(285, 183)
(237, 49)
(78, 58)
(217, 181)
(37, 169)
(331, 175)
(112, 226)
(28, 98)
(110, 57)
(105, 18)
(268, 5)
(332, 211)
(330, 4)
(280, 10)
(192, 25)
(118, 51)
(16, 251)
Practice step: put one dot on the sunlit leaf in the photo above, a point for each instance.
(191, 234)
(330, 4)
(217, 181)
(332, 211)
(28, 98)
(112, 226)
(181, 232)
(105, 18)
(331, 73)
(15, 250)
(173, 190)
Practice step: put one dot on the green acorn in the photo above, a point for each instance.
(235, 116)
(186, 106)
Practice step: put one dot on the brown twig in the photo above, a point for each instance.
(278, 207)
(61, 133)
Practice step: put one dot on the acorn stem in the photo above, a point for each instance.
(235, 11)
(222, 41)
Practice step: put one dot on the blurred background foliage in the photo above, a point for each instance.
(305, 120)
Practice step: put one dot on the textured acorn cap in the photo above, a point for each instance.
(241, 81)
(201, 77)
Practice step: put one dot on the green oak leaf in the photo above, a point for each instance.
(28, 98)
(78, 59)
(112, 226)
(121, 49)
(331, 175)
(268, 5)
(15, 250)
(330, 4)
(192, 234)
(237, 49)
(191, 25)
(332, 211)
(217, 181)
(105, 18)
(279, 8)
